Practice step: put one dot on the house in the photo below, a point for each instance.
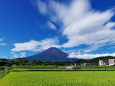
(109, 62)
(103, 63)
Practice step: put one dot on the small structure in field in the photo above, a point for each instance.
(109, 62)
(72, 67)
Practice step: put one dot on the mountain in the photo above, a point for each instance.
(95, 60)
(50, 55)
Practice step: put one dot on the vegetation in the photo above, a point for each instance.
(4, 70)
(90, 67)
(94, 61)
(70, 78)
(2, 67)
(23, 61)
(38, 73)
(35, 67)
(61, 68)
(53, 75)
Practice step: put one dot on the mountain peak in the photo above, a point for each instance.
(51, 54)
(52, 48)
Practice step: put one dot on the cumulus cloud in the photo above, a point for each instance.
(31, 45)
(88, 56)
(34, 45)
(81, 24)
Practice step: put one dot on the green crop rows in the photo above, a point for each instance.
(59, 78)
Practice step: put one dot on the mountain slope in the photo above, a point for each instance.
(51, 54)
(95, 60)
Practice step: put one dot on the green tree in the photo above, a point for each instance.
(21, 60)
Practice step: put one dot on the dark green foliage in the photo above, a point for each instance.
(22, 60)
(4, 70)
(95, 60)
(36, 62)
(5, 62)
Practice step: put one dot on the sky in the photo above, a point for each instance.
(82, 28)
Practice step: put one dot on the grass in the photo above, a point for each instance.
(90, 67)
(4, 73)
(35, 67)
(54, 67)
(2, 67)
(59, 78)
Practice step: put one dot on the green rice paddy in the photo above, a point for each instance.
(59, 78)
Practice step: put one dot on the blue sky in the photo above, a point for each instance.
(82, 28)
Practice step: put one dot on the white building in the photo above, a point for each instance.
(109, 62)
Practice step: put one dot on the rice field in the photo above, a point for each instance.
(55, 67)
(59, 78)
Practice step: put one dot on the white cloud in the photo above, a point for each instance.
(23, 54)
(3, 44)
(94, 47)
(81, 24)
(1, 39)
(51, 25)
(110, 25)
(31, 45)
(113, 47)
(88, 56)
(49, 42)
(34, 45)
(18, 55)
(42, 7)
(90, 29)
(72, 12)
